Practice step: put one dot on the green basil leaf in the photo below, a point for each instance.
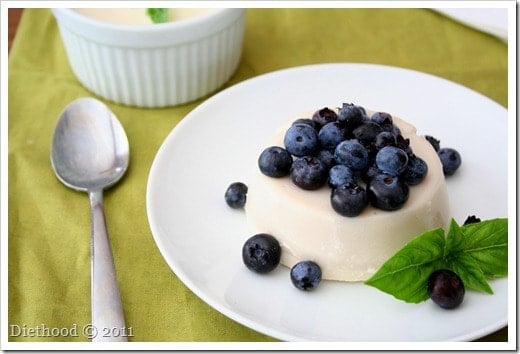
(406, 273)
(485, 242)
(469, 272)
(159, 15)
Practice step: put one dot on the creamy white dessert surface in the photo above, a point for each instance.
(346, 248)
(138, 16)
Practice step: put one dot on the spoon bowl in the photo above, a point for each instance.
(89, 153)
(89, 147)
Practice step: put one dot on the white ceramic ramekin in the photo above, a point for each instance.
(155, 65)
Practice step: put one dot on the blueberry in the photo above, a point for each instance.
(307, 121)
(324, 116)
(387, 192)
(391, 160)
(382, 118)
(261, 253)
(471, 219)
(327, 157)
(351, 153)
(403, 144)
(351, 115)
(385, 139)
(275, 161)
(301, 140)
(349, 199)
(450, 159)
(415, 171)
(235, 195)
(309, 173)
(433, 141)
(306, 275)
(446, 288)
(341, 174)
(330, 135)
(395, 130)
(366, 133)
(368, 173)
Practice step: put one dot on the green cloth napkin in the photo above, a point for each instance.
(49, 224)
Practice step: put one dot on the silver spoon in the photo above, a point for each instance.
(89, 152)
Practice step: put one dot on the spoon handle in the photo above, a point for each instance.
(108, 323)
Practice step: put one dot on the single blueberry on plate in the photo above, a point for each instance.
(387, 192)
(235, 195)
(341, 174)
(275, 161)
(391, 160)
(306, 275)
(446, 288)
(301, 140)
(349, 199)
(471, 219)
(450, 159)
(261, 253)
(309, 172)
(351, 153)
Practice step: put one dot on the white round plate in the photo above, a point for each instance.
(218, 143)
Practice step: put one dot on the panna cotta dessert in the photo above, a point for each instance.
(349, 223)
(138, 16)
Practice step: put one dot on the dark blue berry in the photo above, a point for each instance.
(261, 253)
(275, 161)
(327, 157)
(382, 118)
(403, 144)
(309, 173)
(450, 159)
(324, 116)
(341, 174)
(366, 133)
(391, 160)
(387, 192)
(307, 121)
(349, 199)
(369, 173)
(446, 288)
(306, 275)
(235, 195)
(385, 139)
(330, 135)
(351, 153)
(301, 140)
(351, 115)
(434, 142)
(471, 219)
(415, 171)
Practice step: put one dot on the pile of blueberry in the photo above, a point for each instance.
(364, 160)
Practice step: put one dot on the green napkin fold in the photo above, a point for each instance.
(49, 224)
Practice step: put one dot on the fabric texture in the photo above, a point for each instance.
(49, 224)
